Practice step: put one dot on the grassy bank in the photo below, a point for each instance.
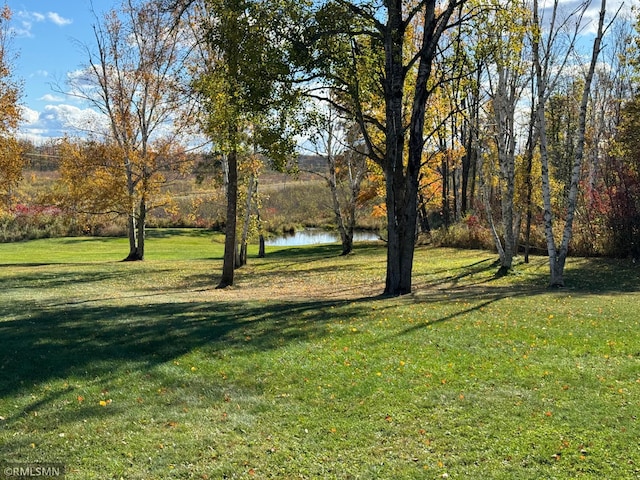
(145, 371)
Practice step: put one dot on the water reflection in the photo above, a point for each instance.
(316, 237)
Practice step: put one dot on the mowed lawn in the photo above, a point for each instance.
(302, 370)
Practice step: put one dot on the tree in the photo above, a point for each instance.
(357, 37)
(622, 181)
(507, 75)
(132, 79)
(347, 169)
(92, 186)
(11, 158)
(558, 253)
(610, 211)
(245, 91)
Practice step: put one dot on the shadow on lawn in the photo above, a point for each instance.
(93, 341)
(88, 339)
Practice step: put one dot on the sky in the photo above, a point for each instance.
(46, 37)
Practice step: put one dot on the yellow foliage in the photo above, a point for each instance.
(11, 159)
(98, 177)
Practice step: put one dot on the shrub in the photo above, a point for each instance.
(27, 222)
(468, 233)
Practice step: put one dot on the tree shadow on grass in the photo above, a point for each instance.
(89, 273)
(317, 252)
(601, 275)
(55, 342)
(89, 338)
(178, 232)
(459, 274)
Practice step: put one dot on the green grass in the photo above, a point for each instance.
(301, 370)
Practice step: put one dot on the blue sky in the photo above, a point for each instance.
(46, 36)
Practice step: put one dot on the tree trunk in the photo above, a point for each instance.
(132, 232)
(228, 262)
(504, 102)
(142, 223)
(558, 256)
(423, 215)
(395, 283)
(261, 243)
(531, 142)
(402, 189)
(136, 232)
(446, 216)
(242, 260)
(486, 201)
(346, 231)
(469, 159)
(132, 217)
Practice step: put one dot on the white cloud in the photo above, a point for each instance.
(28, 18)
(29, 115)
(40, 73)
(58, 20)
(56, 121)
(51, 98)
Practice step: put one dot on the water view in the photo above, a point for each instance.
(312, 236)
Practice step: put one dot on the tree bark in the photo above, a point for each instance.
(395, 142)
(136, 232)
(558, 255)
(402, 187)
(131, 234)
(504, 103)
(247, 220)
(229, 259)
(486, 202)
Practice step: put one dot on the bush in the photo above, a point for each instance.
(28, 222)
(469, 233)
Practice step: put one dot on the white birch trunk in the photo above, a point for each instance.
(558, 255)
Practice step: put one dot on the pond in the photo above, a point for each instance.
(316, 236)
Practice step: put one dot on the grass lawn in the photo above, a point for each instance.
(146, 371)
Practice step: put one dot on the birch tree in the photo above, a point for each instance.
(347, 168)
(507, 75)
(541, 56)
